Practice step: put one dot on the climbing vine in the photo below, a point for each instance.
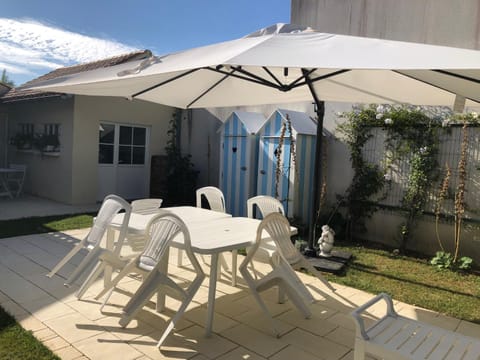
(411, 136)
(286, 129)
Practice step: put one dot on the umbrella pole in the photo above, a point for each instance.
(317, 174)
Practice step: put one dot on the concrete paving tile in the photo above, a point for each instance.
(292, 352)
(88, 307)
(56, 343)
(3, 298)
(224, 305)
(68, 353)
(53, 286)
(258, 320)
(342, 336)
(254, 340)
(469, 329)
(29, 322)
(134, 329)
(74, 327)
(220, 322)
(176, 347)
(318, 346)
(106, 346)
(273, 307)
(160, 320)
(194, 338)
(343, 320)
(15, 310)
(316, 324)
(44, 334)
(47, 308)
(240, 353)
(443, 321)
(17, 288)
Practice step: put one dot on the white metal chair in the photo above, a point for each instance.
(267, 205)
(111, 206)
(146, 206)
(282, 274)
(153, 263)
(16, 179)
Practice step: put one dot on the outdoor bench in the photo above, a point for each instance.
(397, 337)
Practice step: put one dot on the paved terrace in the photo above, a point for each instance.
(76, 329)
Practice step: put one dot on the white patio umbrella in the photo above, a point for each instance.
(285, 63)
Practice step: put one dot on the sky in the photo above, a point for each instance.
(37, 37)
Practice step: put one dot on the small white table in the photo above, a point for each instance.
(4, 188)
(211, 233)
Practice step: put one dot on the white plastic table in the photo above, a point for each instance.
(211, 233)
(4, 188)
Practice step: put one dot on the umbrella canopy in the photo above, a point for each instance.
(285, 63)
(276, 65)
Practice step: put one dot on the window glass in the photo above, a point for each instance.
(105, 154)
(107, 134)
(139, 135)
(138, 155)
(124, 154)
(125, 135)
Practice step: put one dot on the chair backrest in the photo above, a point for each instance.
(161, 230)
(278, 228)
(214, 196)
(146, 206)
(265, 204)
(111, 206)
(20, 175)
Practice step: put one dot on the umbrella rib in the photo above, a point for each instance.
(211, 87)
(437, 86)
(463, 77)
(318, 78)
(256, 79)
(164, 83)
(267, 70)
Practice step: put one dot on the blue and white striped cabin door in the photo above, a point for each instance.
(267, 167)
(235, 173)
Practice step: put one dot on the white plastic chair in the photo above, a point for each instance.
(146, 206)
(282, 274)
(216, 202)
(16, 179)
(111, 206)
(267, 249)
(214, 197)
(152, 263)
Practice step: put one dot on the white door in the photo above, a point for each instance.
(123, 161)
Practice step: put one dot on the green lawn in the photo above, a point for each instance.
(15, 342)
(412, 280)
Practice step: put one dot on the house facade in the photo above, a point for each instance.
(104, 144)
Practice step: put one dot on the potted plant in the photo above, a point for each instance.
(22, 141)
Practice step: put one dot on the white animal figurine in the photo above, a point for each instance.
(325, 242)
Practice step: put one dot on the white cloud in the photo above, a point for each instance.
(31, 48)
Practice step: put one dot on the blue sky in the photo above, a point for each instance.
(39, 36)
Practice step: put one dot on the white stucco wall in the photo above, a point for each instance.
(47, 176)
(89, 111)
(440, 22)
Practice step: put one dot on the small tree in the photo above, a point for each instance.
(6, 80)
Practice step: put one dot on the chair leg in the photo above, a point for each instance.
(89, 260)
(65, 259)
(234, 268)
(96, 272)
(306, 264)
(179, 257)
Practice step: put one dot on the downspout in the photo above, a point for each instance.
(317, 174)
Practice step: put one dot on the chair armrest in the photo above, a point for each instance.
(356, 314)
